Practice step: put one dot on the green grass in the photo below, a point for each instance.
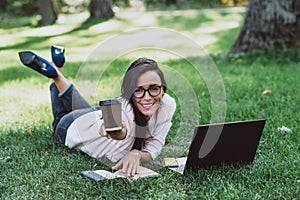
(33, 165)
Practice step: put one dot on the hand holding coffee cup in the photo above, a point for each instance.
(116, 135)
(112, 118)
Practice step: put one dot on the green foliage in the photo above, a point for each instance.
(73, 6)
(192, 4)
(20, 7)
(122, 3)
(31, 7)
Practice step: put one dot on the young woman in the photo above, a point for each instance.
(147, 111)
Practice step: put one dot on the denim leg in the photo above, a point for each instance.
(58, 109)
(64, 123)
(64, 103)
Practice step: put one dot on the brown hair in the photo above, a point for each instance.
(137, 68)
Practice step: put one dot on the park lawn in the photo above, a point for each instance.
(35, 166)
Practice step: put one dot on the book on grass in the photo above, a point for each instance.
(99, 175)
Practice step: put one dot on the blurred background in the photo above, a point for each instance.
(47, 11)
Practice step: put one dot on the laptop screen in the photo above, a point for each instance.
(232, 143)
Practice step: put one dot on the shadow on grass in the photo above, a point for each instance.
(42, 41)
(188, 22)
(21, 72)
(86, 25)
(15, 73)
(224, 41)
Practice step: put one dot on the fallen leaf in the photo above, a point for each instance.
(28, 131)
(257, 196)
(266, 92)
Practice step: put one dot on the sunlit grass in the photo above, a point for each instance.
(203, 27)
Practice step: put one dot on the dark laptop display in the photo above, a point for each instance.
(231, 143)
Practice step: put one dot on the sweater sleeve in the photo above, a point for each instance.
(83, 134)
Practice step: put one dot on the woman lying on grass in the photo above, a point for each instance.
(147, 111)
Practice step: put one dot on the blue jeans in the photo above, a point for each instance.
(66, 107)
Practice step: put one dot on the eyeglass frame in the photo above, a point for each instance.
(147, 90)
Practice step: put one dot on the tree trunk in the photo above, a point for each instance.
(48, 11)
(101, 9)
(3, 6)
(170, 2)
(269, 24)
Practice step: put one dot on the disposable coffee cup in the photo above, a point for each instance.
(112, 116)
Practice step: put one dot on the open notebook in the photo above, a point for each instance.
(100, 175)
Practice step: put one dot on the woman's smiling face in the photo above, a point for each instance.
(148, 104)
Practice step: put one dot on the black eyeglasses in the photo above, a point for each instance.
(153, 91)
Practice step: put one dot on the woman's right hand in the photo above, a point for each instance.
(110, 135)
(103, 132)
(130, 163)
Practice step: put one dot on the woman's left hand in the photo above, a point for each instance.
(130, 163)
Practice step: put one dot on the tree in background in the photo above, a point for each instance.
(170, 2)
(3, 5)
(269, 25)
(101, 9)
(18, 8)
(48, 10)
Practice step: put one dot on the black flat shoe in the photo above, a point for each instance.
(58, 55)
(38, 64)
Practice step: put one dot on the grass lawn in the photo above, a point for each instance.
(33, 165)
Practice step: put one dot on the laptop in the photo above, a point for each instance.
(215, 145)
